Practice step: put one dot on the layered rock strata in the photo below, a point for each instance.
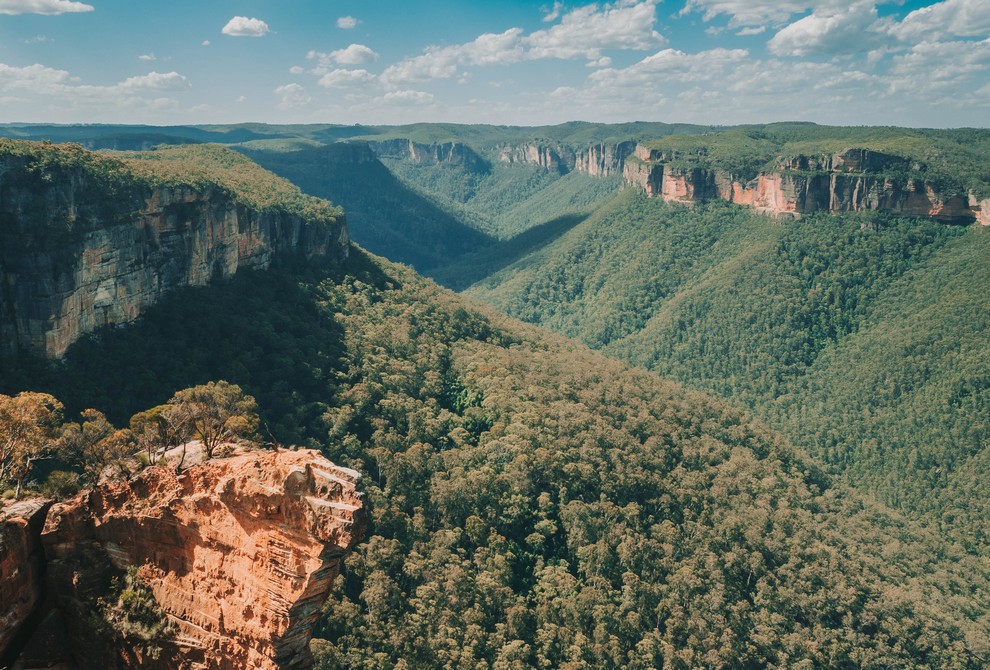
(240, 554)
(21, 567)
(76, 255)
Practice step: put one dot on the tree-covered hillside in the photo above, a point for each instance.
(535, 504)
(861, 336)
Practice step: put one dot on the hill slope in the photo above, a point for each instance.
(861, 336)
(536, 504)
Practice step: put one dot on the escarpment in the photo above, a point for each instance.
(86, 242)
(238, 555)
(852, 180)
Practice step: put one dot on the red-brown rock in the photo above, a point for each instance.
(240, 553)
(21, 566)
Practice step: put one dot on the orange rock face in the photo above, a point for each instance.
(240, 553)
(21, 566)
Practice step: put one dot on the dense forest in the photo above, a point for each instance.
(535, 504)
(862, 337)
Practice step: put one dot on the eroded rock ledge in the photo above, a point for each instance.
(240, 554)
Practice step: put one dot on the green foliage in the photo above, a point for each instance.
(217, 413)
(131, 613)
(536, 505)
(61, 484)
(863, 338)
(202, 165)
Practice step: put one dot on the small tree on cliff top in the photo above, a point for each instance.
(29, 424)
(218, 412)
(159, 429)
(99, 446)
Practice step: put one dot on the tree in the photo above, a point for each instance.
(29, 423)
(99, 446)
(218, 412)
(159, 429)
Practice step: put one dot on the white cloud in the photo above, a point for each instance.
(758, 12)
(554, 13)
(355, 54)
(752, 30)
(829, 33)
(168, 81)
(48, 7)
(296, 69)
(581, 33)
(37, 78)
(408, 97)
(293, 95)
(951, 18)
(242, 26)
(38, 39)
(347, 23)
(147, 57)
(604, 61)
(343, 78)
(205, 43)
(585, 31)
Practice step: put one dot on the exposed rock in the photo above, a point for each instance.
(604, 160)
(21, 567)
(240, 553)
(74, 257)
(843, 182)
(557, 159)
(454, 153)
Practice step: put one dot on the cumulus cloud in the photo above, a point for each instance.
(47, 7)
(296, 69)
(342, 78)
(951, 18)
(134, 93)
(347, 23)
(168, 81)
(829, 32)
(37, 78)
(242, 26)
(147, 57)
(354, 54)
(582, 33)
(293, 96)
(585, 31)
(408, 97)
(758, 12)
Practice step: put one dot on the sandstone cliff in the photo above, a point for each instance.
(453, 153)
(79, 249)
(21, 567)
(240, 554)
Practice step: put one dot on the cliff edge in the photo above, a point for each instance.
(239, 555)
(90, 239)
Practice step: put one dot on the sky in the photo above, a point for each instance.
(511, 62)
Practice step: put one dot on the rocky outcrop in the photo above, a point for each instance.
(553, 158)
(21, 568)
(77, 253)
(437, 153)
(842, 182)
(240, 554)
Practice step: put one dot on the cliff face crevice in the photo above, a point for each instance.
(75, 257)
(239, 553)
(22, 563)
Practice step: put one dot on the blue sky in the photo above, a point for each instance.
(504, 62)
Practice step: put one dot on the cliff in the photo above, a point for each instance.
(87, 241)
(436, 153)
(21, 568)
(239, 554)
